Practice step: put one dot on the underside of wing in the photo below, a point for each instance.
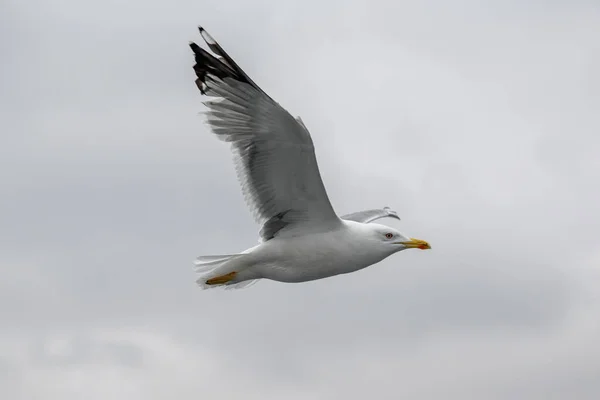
(273, 152)
(371, 215)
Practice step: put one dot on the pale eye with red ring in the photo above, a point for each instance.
(389, 235)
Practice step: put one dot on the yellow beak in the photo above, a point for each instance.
(416, 244)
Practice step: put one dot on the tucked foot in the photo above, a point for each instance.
(220, 280)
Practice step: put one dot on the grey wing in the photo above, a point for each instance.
(371, 215)
(273, 152)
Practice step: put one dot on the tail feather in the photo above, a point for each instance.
(207, 260)
(240, 285)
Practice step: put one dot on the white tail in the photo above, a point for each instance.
(210, 267)
(211, 260)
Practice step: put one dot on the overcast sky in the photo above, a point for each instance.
(476, 121)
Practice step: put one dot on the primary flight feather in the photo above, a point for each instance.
(301, 236)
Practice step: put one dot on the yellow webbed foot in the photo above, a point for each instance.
(219, 280)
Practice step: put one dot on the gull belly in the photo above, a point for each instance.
(313, 256)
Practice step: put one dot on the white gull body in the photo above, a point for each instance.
(301, 237)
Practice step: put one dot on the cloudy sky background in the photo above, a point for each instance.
(477, 121)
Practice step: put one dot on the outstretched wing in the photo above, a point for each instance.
(273, 152)
(371, 215)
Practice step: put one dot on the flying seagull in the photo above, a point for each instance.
(301, 236)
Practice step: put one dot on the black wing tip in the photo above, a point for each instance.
(222, 66)
(207, 64)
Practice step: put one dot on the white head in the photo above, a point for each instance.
(393, 241)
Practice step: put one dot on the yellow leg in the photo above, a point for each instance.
(219, 280)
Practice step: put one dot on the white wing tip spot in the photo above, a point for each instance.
(209, 39)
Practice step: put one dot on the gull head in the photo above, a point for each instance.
(394, 241)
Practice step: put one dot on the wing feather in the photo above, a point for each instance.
(273, 152)
(367, 216)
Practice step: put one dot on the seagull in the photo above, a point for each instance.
(301, 237)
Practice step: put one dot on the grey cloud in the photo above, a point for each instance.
(81, 350)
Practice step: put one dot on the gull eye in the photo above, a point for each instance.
(389, 235)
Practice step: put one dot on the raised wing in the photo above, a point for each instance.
(371, 215)
(273, 152)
